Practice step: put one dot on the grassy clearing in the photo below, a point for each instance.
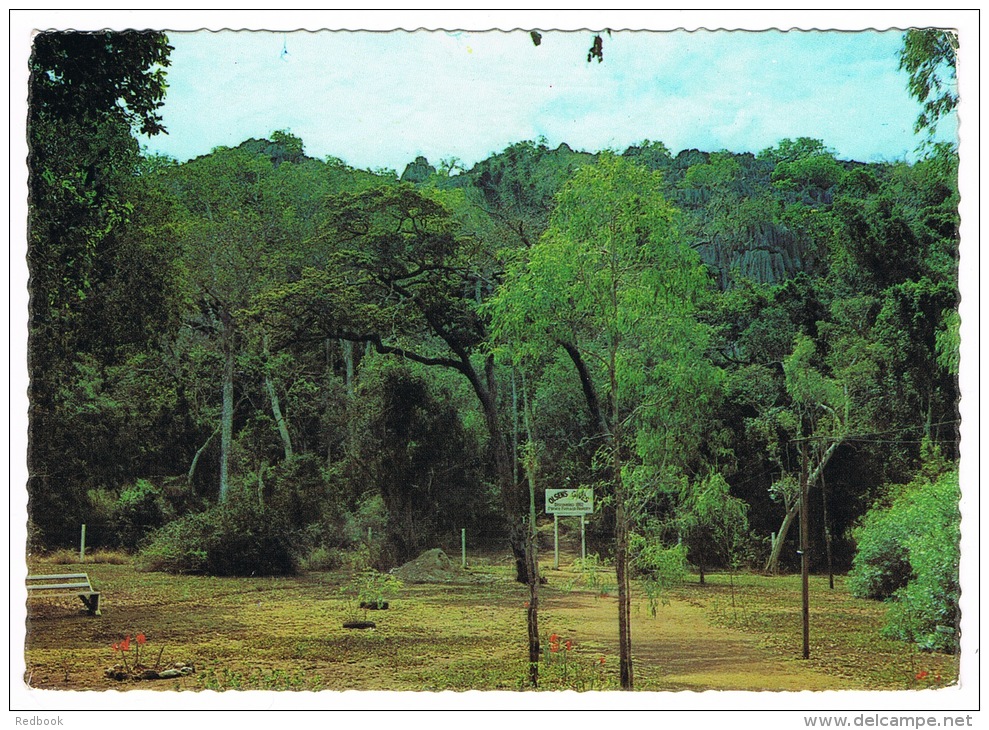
(287, 634)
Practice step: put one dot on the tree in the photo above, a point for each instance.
(224, 251)
(609, 284)
(415, 453)
(393, 272)
(88, 93)
(821, 410)
(93, 75)
(239, 214)
(928, 55)
(713, 523)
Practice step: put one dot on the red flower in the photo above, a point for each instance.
(116, 647)
(125, 644)
(140, 639)
(554, 639)
(554, 647)
(922, 674)
(601, 661)
(569, 645)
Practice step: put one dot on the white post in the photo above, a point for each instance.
(463, 547)
(82, 545)
(556, 541)
(583, 540)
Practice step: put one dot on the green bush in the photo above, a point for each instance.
(139, 510)
(881, 565)
(321, 558)
(908, 554)
(236, 538)
(180, 546)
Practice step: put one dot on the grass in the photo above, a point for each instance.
(96, 557)
(286, 634)
(845, 640)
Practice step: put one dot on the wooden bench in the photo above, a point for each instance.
(69, 584)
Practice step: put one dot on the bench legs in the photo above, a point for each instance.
(92, 603)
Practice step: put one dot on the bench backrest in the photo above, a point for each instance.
(61, 576)
(62, 582)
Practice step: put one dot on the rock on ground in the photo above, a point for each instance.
(433, 566)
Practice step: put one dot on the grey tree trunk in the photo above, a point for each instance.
(773, 564)
(227, 414)
(276, 409)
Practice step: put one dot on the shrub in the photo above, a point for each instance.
(881, 565)
(236, 538)
(321, 558)
(139, 510)
(659, 567)
(366, 528)
(908, 553)
(108, 557)
(179, 547)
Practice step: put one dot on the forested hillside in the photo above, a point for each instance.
(300, 359)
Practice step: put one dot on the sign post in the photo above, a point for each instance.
(583, 539)
(556, 542)
(573, 503)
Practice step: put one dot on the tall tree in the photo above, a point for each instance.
(610, 285)
(224, 252)
(391, 270)
(88, 94)
(820, 416)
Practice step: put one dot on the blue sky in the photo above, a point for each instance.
(379, 99)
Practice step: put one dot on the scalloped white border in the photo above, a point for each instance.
(697, 709)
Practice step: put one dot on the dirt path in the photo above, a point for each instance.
(681, 649)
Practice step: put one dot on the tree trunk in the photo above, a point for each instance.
(348, 360)
(531, 544)
(195, 459)
(487, 393)
(827, 533)
(611, 434)
(227, 415)
(773, 564)
(621, 533)
(624, 586)
(276, 409)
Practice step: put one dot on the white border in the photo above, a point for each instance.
(963, 697)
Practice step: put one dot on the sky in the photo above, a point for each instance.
(379, 99)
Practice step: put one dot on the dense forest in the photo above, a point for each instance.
(259, 361)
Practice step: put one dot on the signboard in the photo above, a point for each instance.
(570, 501)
